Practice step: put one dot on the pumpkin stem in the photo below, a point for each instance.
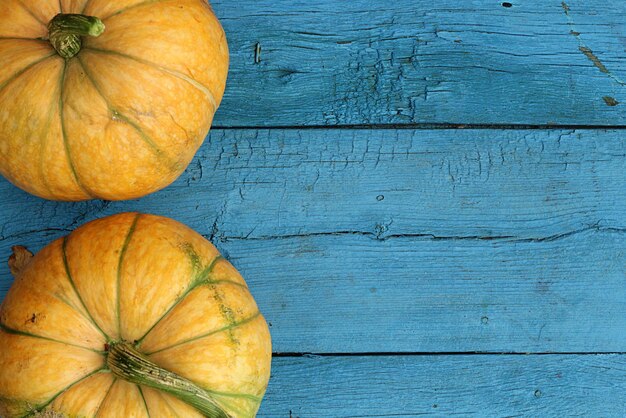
(127, 363)
(65, 31)
(19, 259)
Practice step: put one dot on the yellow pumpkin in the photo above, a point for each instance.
(131, 316)
(106, 99)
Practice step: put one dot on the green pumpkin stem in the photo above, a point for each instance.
(127, 363)
(65, 31)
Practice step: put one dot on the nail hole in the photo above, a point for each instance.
(507, 4)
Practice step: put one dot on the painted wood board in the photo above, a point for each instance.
(447, 240)
(488, 184)
(442, 386)
(415, 61)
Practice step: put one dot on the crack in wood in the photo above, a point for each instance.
(585, 49)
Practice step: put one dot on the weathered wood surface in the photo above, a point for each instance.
(401, 240)
(417, 61)
(443, 386)
(405, 241)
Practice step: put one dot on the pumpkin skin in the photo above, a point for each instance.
(125, 116)
(143, 279)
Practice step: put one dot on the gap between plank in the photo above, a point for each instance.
(424, 126)
(447, 353)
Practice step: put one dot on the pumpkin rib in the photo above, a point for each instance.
(12, 331)
(228, 327)
(134, 6)
(223, 281)
(40, 408)
(235, 395)
(42, 148)
(155, 148)
(20, 38)
(105, 397)
(80, 298)
(13, 78)
(61, 6)
(87, 317)
(144, 400)
(82, 12)
(233, 408)
(204, 89)
(33, 15)
(68, 151)
(204, 274)
(19, 73)
(77, 309)
(171, 409)
(182, 297)
(197, 281)
(226, 312)
(123, 250)
(71, 305)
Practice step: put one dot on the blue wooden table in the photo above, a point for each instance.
(427, 198)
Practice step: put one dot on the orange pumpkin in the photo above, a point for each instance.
(106, 99)
(131, 316)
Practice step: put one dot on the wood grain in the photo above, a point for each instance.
(420, 262)
(443, 386)
(417, 61)
(355, 294)
(401, 240)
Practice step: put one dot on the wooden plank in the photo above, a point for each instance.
(469, 386)
(356, 294)
(403, 240)
(418, 61)
(521, 184)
